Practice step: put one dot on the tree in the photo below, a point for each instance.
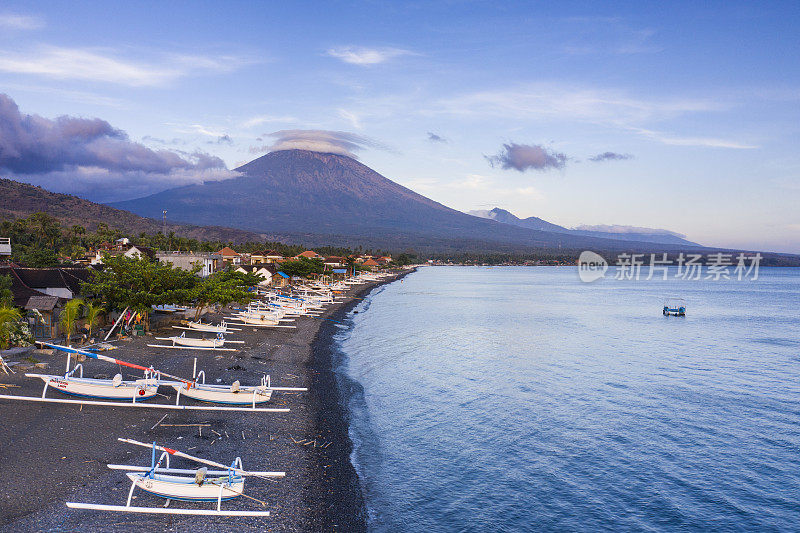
(223, 288)
(404, 259)
(6, 296)
(9, 317)
(40, 257)
(303, 267)
(140, 284)
(69, 316)
(93, 314)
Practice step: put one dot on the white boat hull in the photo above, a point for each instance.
(257, 319)
(223, 394)
(103, 389)
(185, 489)
(208, 328)
(198, 343)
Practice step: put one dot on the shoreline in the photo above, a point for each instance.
(339, 487)
(55, 453)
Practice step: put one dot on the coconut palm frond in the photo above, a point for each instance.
(8, 317)
(69, 316)
(93, 314)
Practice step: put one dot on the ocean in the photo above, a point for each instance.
(521, 399)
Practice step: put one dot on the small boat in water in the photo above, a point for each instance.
(674, 307)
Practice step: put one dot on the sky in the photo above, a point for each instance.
(671, 115)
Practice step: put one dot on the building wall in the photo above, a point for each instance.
(187, 262)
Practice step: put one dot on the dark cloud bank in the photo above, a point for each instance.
(91, 158)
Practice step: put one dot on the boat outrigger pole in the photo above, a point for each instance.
(176, 453)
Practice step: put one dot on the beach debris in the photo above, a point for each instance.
(157, 423)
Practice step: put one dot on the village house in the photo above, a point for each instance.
(267, 271)
(230, 256)
(370, 264)
(121, 247)
(43, 292)
(265, 257)
(209, 262)
(308, 254)
(334, 261)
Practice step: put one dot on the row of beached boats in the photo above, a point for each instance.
(223, 482)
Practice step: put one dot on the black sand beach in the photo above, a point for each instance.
(54, 453)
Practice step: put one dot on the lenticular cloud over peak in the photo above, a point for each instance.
(331, 142)
(92, 158)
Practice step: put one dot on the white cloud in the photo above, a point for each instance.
(531, 192)
(710, 142)
(367, 56)
(331, 142)
(590, 105)
(11, 21)
(352, 118)
(103, 65)
(265, 119)
(638, 230)
(605, 108)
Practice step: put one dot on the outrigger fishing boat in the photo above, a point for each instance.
(191, 343)
(111, 393)
(235, 394)
(207, 328)
(200, 485)
(260, 318)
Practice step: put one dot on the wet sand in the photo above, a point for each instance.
(53, 453)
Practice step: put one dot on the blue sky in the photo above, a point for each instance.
(474, 104)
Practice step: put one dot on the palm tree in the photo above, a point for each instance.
(69, 316)
(8, 317)
(93, 313)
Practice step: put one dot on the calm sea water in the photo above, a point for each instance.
(520, 399)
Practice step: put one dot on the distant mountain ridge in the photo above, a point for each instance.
(619, 233)
(19, 200)
(506, 217)
(324, 198)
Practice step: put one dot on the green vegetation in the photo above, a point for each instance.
(303, 267)
(9, 318)
(141, 284)
(6, 296)
(40, 240)
(93, 314)
(69, 317)
(404, 259)
(223, 288)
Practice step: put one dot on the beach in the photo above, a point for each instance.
(55, 453)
